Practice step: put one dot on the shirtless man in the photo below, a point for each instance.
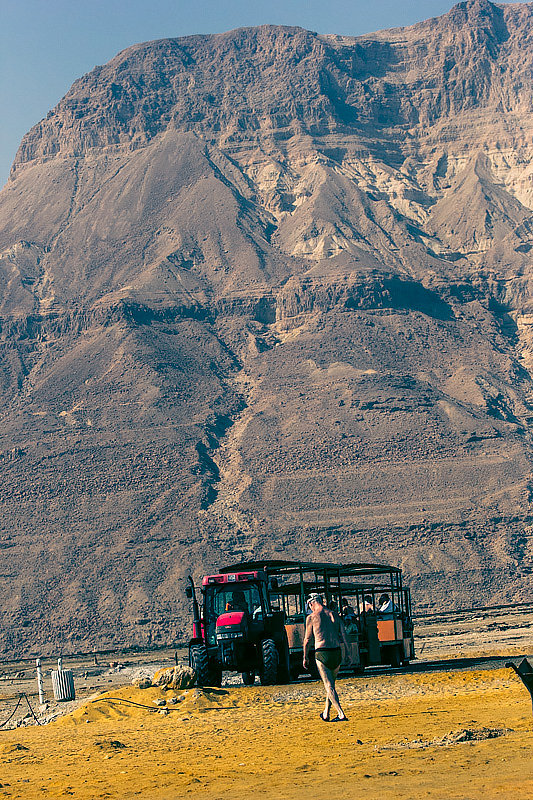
(326, 628)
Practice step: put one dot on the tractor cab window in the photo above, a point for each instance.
(231, 597)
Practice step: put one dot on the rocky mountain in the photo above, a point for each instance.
(269, 292)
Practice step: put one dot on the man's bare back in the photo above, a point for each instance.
(326, 627)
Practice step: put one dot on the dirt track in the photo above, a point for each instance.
(476, 634)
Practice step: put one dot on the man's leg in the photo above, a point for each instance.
(328, 679)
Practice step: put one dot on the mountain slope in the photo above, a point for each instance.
(269, 292)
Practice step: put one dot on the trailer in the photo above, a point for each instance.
(376, 637)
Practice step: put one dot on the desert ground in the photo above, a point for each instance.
(456, 724)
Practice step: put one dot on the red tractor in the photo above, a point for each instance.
(236, 628)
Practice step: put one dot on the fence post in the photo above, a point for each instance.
(40, 681)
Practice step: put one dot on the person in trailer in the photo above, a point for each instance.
(386, 607)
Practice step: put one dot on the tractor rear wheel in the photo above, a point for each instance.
(207, 673)
(269, 662)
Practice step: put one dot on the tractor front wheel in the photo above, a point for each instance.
(269, 662)
(199, 661)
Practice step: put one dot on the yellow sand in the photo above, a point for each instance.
(247, 742)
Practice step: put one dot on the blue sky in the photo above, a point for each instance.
(46, 44)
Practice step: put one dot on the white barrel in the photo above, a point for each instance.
(63, 684)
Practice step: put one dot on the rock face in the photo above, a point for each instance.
(269, 292)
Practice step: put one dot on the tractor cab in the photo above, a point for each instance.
(237, 629)
(234, 612)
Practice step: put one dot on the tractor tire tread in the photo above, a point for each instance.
(269, 662)
(199, 661)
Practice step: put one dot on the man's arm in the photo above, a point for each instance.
(307, 640)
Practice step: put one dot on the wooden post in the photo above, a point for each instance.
(40, 681)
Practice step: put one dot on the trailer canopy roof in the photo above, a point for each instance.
(278, 567)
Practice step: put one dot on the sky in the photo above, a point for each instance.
(46, 44)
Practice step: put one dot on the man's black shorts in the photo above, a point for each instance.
(331, 657)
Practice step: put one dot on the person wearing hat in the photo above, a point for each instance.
(326, 628)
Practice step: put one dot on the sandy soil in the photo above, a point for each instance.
(408, 736)
(431, 731)
(505, 632)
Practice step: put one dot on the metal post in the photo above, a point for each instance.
(40, 681)
(525, 673)
(302, 593)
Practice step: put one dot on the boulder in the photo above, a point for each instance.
(142, 683)
(179, 677)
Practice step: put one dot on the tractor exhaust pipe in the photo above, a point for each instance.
(190, 591)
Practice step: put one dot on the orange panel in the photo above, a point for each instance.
(295, 635)
(390, 630)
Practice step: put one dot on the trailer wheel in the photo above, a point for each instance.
(313, 669)
(269, 662)
(248, 678)
(395, 658)
(199, 661)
